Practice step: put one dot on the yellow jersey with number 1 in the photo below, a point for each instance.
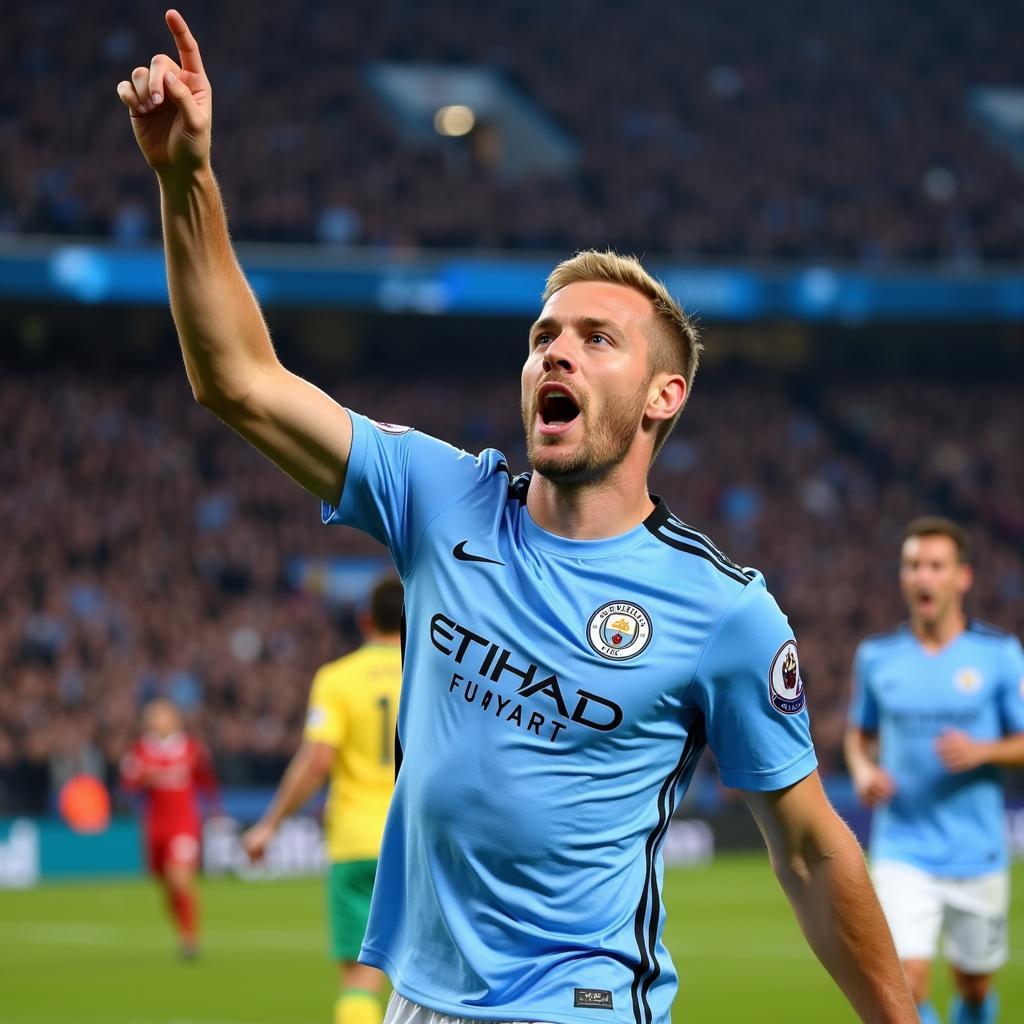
(352, 707)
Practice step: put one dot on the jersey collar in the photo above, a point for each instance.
(537, 536)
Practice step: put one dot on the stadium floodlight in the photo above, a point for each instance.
(454, 120)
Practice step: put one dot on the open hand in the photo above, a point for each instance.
(171, 105)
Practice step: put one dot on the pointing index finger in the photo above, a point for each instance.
(188, 48)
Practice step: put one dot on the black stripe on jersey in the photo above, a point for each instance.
(648, 969)
(674, 525)
(518, 486)
(401, 652)
(987, 629)
(674, 532)
(689, 759)
(674, 542)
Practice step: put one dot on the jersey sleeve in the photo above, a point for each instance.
(863, 706)
(325, 716)
(204, 777)
(131, 769)
(749, 688)
(397, 481)
(1011, 692)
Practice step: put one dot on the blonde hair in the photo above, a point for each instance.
(675, 344)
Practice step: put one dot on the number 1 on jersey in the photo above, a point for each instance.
(387, 737)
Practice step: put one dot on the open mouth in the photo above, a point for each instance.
(556, 407)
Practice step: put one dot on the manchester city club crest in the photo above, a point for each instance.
(785, 687)
(967, 680)
(619, 630)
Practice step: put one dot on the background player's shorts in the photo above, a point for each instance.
(970, 913)
(349, 888)
(172, 848)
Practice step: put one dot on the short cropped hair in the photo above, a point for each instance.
(675, 344)
(940, 526)
(386, 601)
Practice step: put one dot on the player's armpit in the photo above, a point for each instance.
(296, 425)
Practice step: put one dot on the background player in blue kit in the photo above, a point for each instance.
(571, 646)
(943, 697)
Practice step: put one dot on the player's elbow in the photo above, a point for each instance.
(810, 852)
(321, 759)
(220, 398)
(239, 395)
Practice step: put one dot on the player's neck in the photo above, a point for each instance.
(933, 636)
(384, 639)
(591, 512)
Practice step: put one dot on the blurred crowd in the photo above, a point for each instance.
(147, 547)
(714, 130)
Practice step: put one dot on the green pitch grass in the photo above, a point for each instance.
(102, 954)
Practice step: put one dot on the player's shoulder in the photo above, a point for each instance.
(344, 670)
(691, 556)
(885, 640)
(426, 447)
(986, 631)
(988, 635)
(146, 746)
(195, 746)
(335, 670)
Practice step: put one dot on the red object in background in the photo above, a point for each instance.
(85, 804)
(170, 773)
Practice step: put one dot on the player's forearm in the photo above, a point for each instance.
(855, 749)
(1006, 753)
(224, 340)
(831, 893)
(302, 779)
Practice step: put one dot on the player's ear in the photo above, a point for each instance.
(665, 396)
(965, 578)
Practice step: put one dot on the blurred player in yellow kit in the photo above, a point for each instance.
(349, 735)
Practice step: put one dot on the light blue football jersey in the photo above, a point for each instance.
(947, 823)
(557, 695)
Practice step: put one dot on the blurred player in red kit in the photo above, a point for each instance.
(171, 769)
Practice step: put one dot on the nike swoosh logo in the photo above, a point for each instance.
(460, 552)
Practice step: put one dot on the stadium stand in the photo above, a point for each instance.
(789, 130)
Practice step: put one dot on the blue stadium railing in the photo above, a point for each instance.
(436, 283)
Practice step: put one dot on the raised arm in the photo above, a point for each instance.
(229, 358)
(821, 869)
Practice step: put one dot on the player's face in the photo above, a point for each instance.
(933, 579)
(586, 381)
(162, 718)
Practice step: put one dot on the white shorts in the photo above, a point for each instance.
(401, 1011)
(970, 913)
